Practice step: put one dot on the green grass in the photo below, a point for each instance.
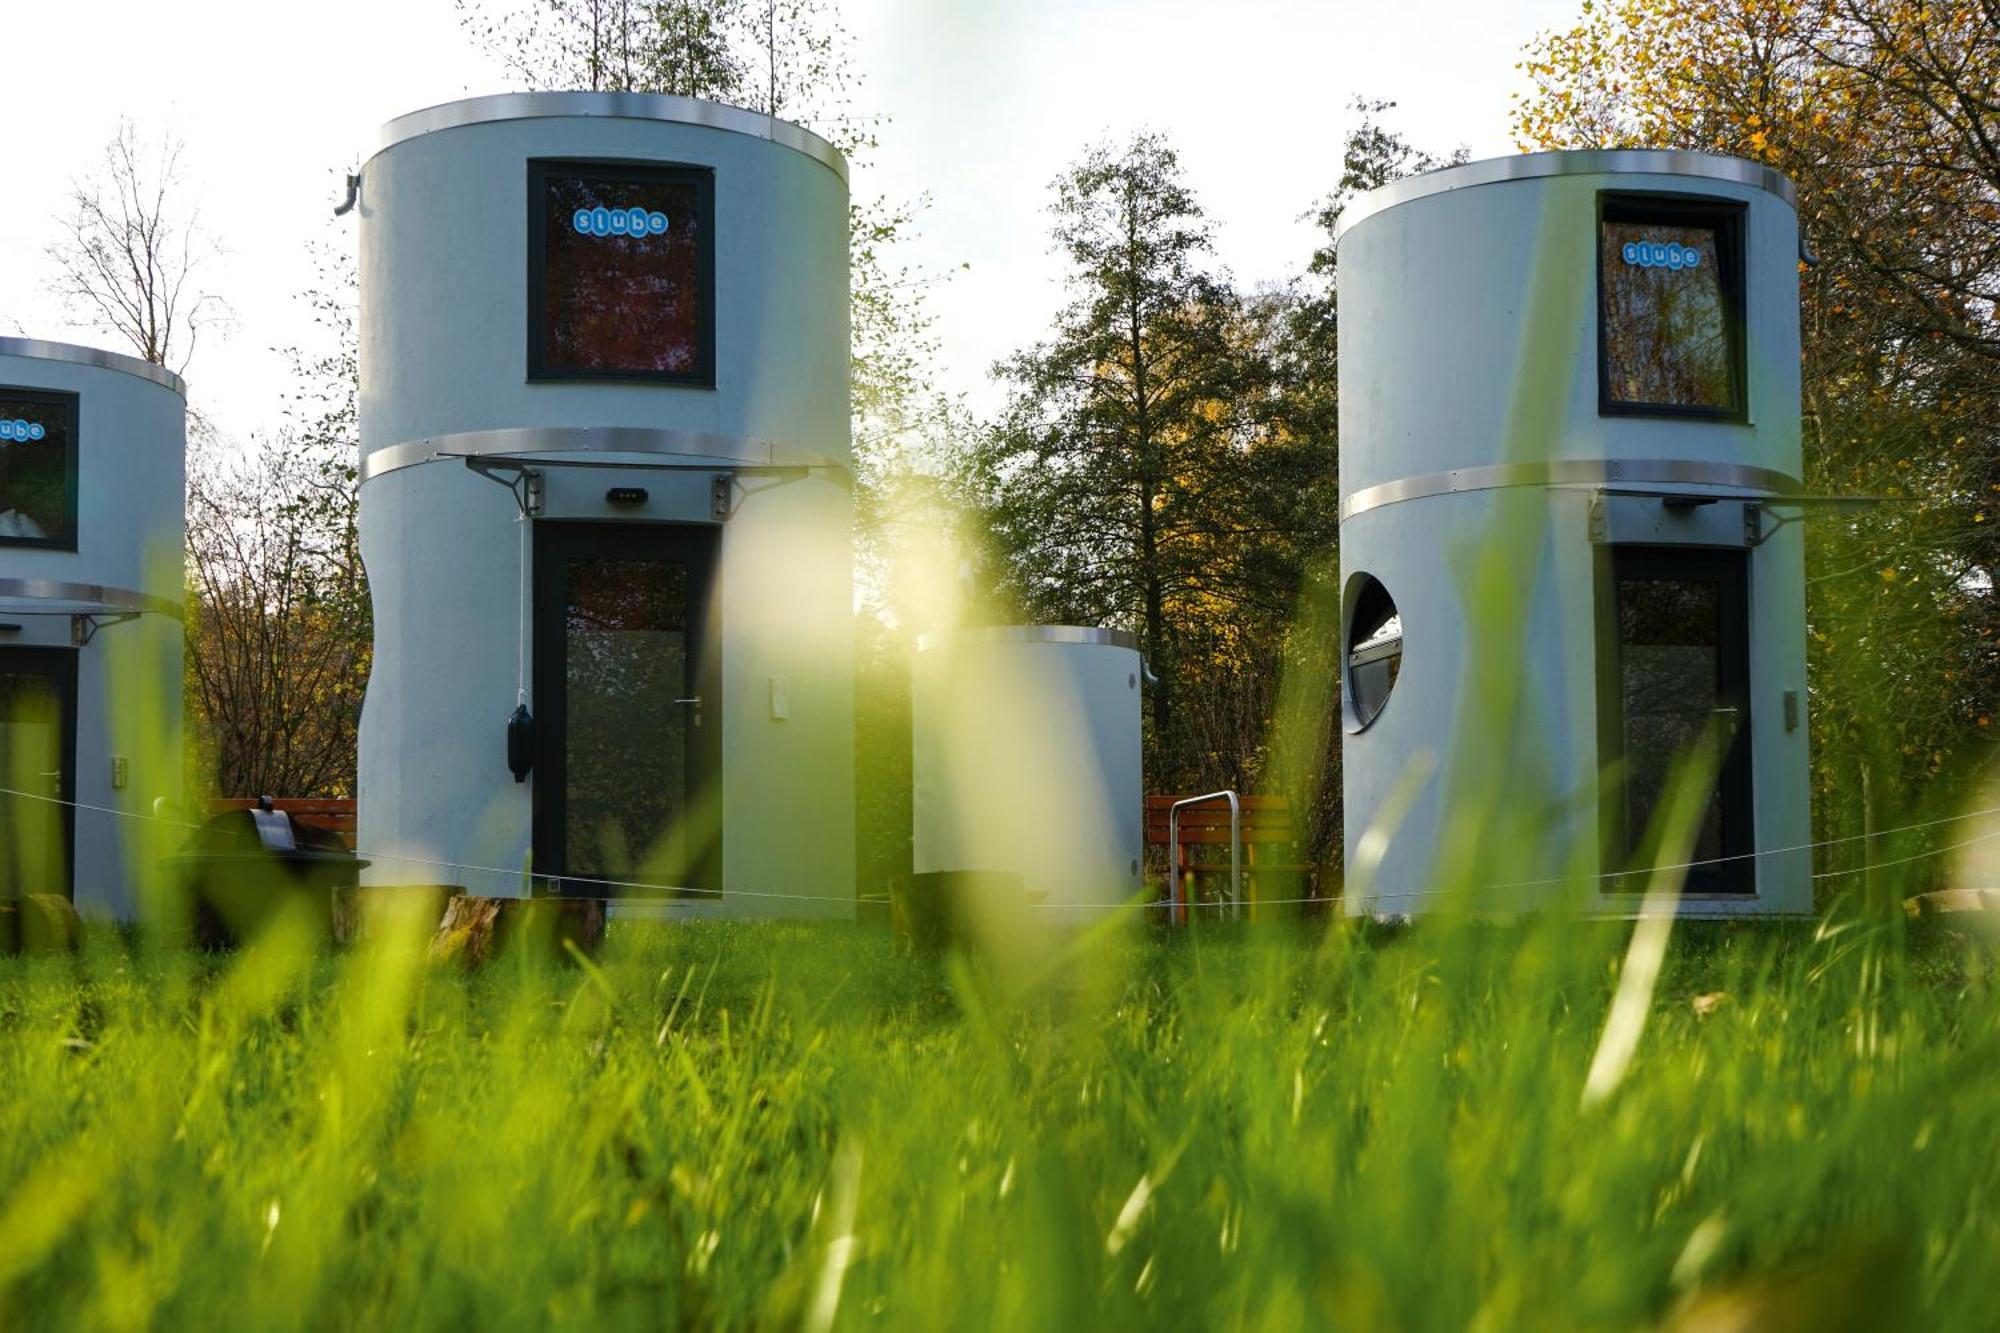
(792, 1126)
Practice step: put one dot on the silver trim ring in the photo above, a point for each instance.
(1089, 634)
(617, 106)
(88, 597)
(77, 355)
(1575, 162)
(1570, 472)
(696, 445)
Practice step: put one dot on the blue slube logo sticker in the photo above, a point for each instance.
(602, 221)
(18, 429)
(1653, 254)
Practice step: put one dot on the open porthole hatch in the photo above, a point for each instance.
(1371, 650)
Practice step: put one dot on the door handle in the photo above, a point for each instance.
(694, 700)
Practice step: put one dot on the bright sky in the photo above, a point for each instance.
(987, 101)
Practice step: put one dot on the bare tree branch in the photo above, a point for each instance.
(129, 251)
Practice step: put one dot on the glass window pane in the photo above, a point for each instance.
(1670, 637)
(627, 736)
(37, 440)
(33, 847)
(622, 273)
(1668, 339)
(1374, 649)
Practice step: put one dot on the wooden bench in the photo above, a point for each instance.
(1268, 847)
(329, 814)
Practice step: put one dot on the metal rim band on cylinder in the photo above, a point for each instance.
(614, 106)
(84, 598)
(698, 447)
(77, 355)
(1570, 472)
(1574, 162)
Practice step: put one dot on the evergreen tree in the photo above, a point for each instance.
(1139, 477)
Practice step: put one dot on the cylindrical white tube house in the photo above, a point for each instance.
(92, 526)
(1026, 760)
(605, 475)
(1569, 427)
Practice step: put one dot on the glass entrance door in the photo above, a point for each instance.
(1677, 663)
(628, 715)
(37, 764)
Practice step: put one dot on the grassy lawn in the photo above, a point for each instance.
(793, 1126)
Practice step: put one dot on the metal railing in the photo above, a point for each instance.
(1180, 894)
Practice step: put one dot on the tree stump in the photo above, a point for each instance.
(474, 931)
(40, 923)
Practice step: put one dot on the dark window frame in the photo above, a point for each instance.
(1727, 217)
(540, 169)
(60, 664)
(1735, 876)
(72, 401)
(556, 541)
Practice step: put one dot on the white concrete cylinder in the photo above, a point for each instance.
(1581, 369)
(92, 530)
(749, 452)
(1026, 759)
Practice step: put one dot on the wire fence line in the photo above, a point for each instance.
(514, 874)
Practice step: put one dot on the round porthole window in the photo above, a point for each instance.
(1372, 653)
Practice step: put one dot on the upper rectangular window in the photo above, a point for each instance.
(37, 468)
(1670, 306)
(621, 272)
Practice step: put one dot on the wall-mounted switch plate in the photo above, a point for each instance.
(781, 700)
(120, 771)
(1791, 710)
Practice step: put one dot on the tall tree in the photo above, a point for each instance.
(1135, 479)
(129, 255)
(280, 626)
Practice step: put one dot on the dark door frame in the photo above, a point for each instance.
(1735, 874)
(698, 547)
(60, 665)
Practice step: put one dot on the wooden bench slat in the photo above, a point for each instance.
(1263, 821)
(1249, 870)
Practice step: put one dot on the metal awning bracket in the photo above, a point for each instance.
(1755, 533)
(524, 483)
(83, 627)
